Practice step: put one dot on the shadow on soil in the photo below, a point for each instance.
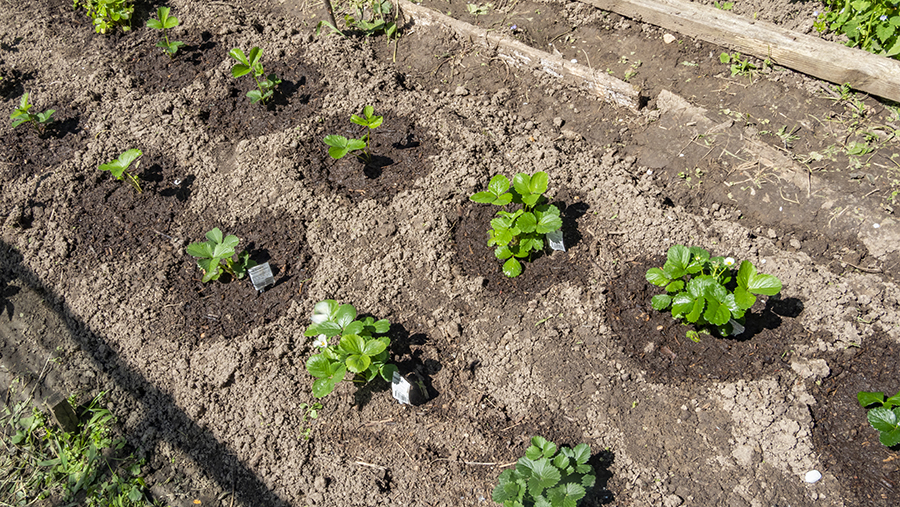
(227, 471)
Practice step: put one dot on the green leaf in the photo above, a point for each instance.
(743, 298)
(352, 344)
(530, 199)
(539, 183)
(382, 326)
(529, 244)
(883, 419)
(318, 366)
(657, 277)
(512, 268)
(866, 398)
(355, 327)
(717, 313)
(890, 438)
(696, 310)
(893, 401)
(387, 372)
(675, 286)
(200, 249)
(543, 475)
(582, 453)
(526, 222)
(548, 222)
(508, 488)
(566, 495)
(329, 329)
(661, 301)
(503, 252)
(322, 387)
(214, 235)
(522, 183)
(374, 347)
(702, 285)
(745, 274)
(679, 256)
(498, 185)
(767, 285)
(484, 197)
(344, 315)
(682, 303)
(254, 56)
(358, 363)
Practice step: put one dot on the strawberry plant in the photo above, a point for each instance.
(873, 25)
(546, 478)
(216, 256)
(516, 235)
(119, 167)
(346, 344)
(164, 23)
(705, 291)
(340, 145)
(21, 115)
(246, 64)
(107, 14)
(885, 417)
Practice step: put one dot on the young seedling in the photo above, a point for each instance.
(885, 417)
(340, 145)
(739, 67)
(546, 478)
(119, 167)
(21, 115)
(164, 23)
(697, 289)
(355, 350)
(246, 65)
(107, 14)
(517, 234)
(216, 256)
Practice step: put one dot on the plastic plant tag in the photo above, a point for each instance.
(400, 388)
(556, 240)
(736, 327)
(261, 276)
(409, 390)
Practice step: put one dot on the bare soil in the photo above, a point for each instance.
(208, 380)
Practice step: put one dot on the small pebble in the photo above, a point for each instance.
(875, 226)
(668, 38)
(813, 476)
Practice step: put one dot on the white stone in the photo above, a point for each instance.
(813, 476)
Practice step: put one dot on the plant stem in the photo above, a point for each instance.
(331, 13)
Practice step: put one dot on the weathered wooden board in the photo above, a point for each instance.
(825, 60)
(515, 53)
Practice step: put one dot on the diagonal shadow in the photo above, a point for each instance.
(209, 454)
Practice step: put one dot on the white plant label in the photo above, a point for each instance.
(261, 276)
(556, 240)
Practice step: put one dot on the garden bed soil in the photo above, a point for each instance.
(208, 380)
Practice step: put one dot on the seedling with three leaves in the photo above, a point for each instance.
(339, 146)
(516, 235)
(164, 23)
(705, 291)
(346, 344)
(246, 64)
(21, 115)
(216, 256)
(545, 478)
(119, 167)
(885, 417)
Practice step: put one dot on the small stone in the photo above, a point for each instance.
(795, 243)
(558, 122)
(668, 38)
(672, 501)
(460, 91)
(813, 476)
(811, 368)
(320, 483)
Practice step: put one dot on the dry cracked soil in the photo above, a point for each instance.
(208, 381)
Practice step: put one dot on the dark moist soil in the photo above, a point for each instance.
(543, 270)
(846, 443)
(659, 346)
(400, 153)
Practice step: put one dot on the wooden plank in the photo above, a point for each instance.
(825, 60)
(515, 53)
